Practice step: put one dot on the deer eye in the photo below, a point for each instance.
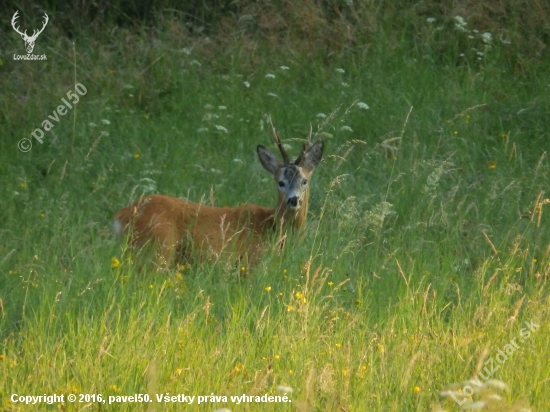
(281, 184)
(304, 182)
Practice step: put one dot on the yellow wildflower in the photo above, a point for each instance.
(115, 263)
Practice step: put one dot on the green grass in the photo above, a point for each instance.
(427, 246)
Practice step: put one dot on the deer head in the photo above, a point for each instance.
(292, 177)
(29, 40)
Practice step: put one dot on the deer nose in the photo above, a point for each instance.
(292, 201)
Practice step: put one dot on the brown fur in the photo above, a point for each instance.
(181, 230)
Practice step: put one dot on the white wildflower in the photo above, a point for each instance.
(186, 50)
(246, 84)
(222, 107)
(285, 388)
(104, 133)
(362, 105)
(105, 121)
(505, 41)
(202, 129)
(460, 20)
(272, 94)
(321, 115)
(431, 19)
(195, 63)
(128, 86)
(270, 76)
(342, 71)
(209, 116)
(284, 67)
(487, 37)
(238, 160)
(344, 84)
(221, 128)
(346, 129)
(460, 23)
(217, 171)
(92, 124)
(208, 106)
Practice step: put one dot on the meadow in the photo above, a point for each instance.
(419, 284)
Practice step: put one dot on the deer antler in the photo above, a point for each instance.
(13, 20)
(277, 140)
(306, 145)
(37, 32)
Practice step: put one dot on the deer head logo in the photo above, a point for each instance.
(29, 40)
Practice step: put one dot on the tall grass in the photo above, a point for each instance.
(426, 249)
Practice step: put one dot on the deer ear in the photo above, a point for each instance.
(312, 156)
(268, 160)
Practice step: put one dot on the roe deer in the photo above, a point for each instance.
(179, 230)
